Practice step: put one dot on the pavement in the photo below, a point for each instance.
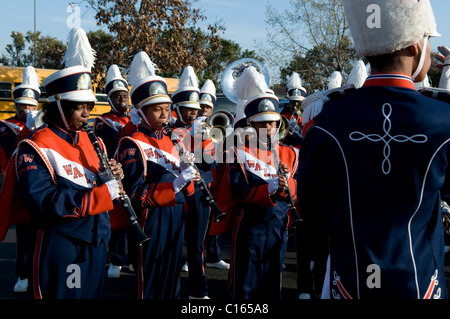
(125, 287)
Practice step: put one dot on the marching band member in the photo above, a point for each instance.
(189, 128)
(260, 237)
(296, 94)
(156, 177)
(374, 162)
(59, 175)
(109, 127)
(26, 96)
(213, 256)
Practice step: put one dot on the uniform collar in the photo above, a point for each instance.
(390, 79)
(70, 137)
(150, 132)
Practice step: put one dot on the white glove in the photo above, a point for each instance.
(135, 117)
(273, 185)
(186, 176)
(113, 187)
(31, 119)
(196, 129)
(444, 82)
(292, 123)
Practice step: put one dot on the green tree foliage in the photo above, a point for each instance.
(312, 38)
(165, 29)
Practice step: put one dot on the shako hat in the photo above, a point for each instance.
(188, 93)
(28, 91)
(74, 82)
(260, 102)
(147, 87)
(115, 81)
(296, 92)
(385, 26)
(208, 93)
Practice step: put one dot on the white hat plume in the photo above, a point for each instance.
(79, 50)
(30, 78)
(249, 84)
(358, 74)
(141, 67)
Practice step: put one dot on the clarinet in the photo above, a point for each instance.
(296, 220)
(215, 209)
(141, 237)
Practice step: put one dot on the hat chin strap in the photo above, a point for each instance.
(422, 59)
(180, 117)
(112, 104)
(58, 102)
(143, 117)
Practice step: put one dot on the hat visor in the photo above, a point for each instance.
(209, 103)
(75, 96)
(265, 117)
(191, 105)
(156, 99)
(121, 88)
(296, 98)
(26, 101)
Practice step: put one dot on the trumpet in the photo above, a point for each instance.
(219, 125)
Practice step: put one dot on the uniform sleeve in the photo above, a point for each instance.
(50, 200)
(149, 191)
(8, 143)
(247, 189)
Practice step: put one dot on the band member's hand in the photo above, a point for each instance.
(116, 169)
(188, 174)
(282, 183)
(284, 168)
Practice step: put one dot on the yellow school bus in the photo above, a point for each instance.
(10, 77)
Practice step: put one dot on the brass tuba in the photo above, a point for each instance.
(283, 129)
(234, 70)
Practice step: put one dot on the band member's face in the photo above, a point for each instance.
(188, 114)
(80, 115)
(120, 100)
(269, 128)
(23, 109)
(157, 114)
(206, 110)
(294, 104)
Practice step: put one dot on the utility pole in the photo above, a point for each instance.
(34, 36)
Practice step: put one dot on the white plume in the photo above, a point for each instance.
(294, 81)
(335, 80)
(249, 84)
(113, 73)
(79, 51)
(188, 78)
(358, 74)
(208, 87)
(141, 67)
(30, 77)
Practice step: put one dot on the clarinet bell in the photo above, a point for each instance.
(218, 218)
(141, 237)
(296, 223)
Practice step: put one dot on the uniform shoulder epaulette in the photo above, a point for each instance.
(436, 93)
(313, 104)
